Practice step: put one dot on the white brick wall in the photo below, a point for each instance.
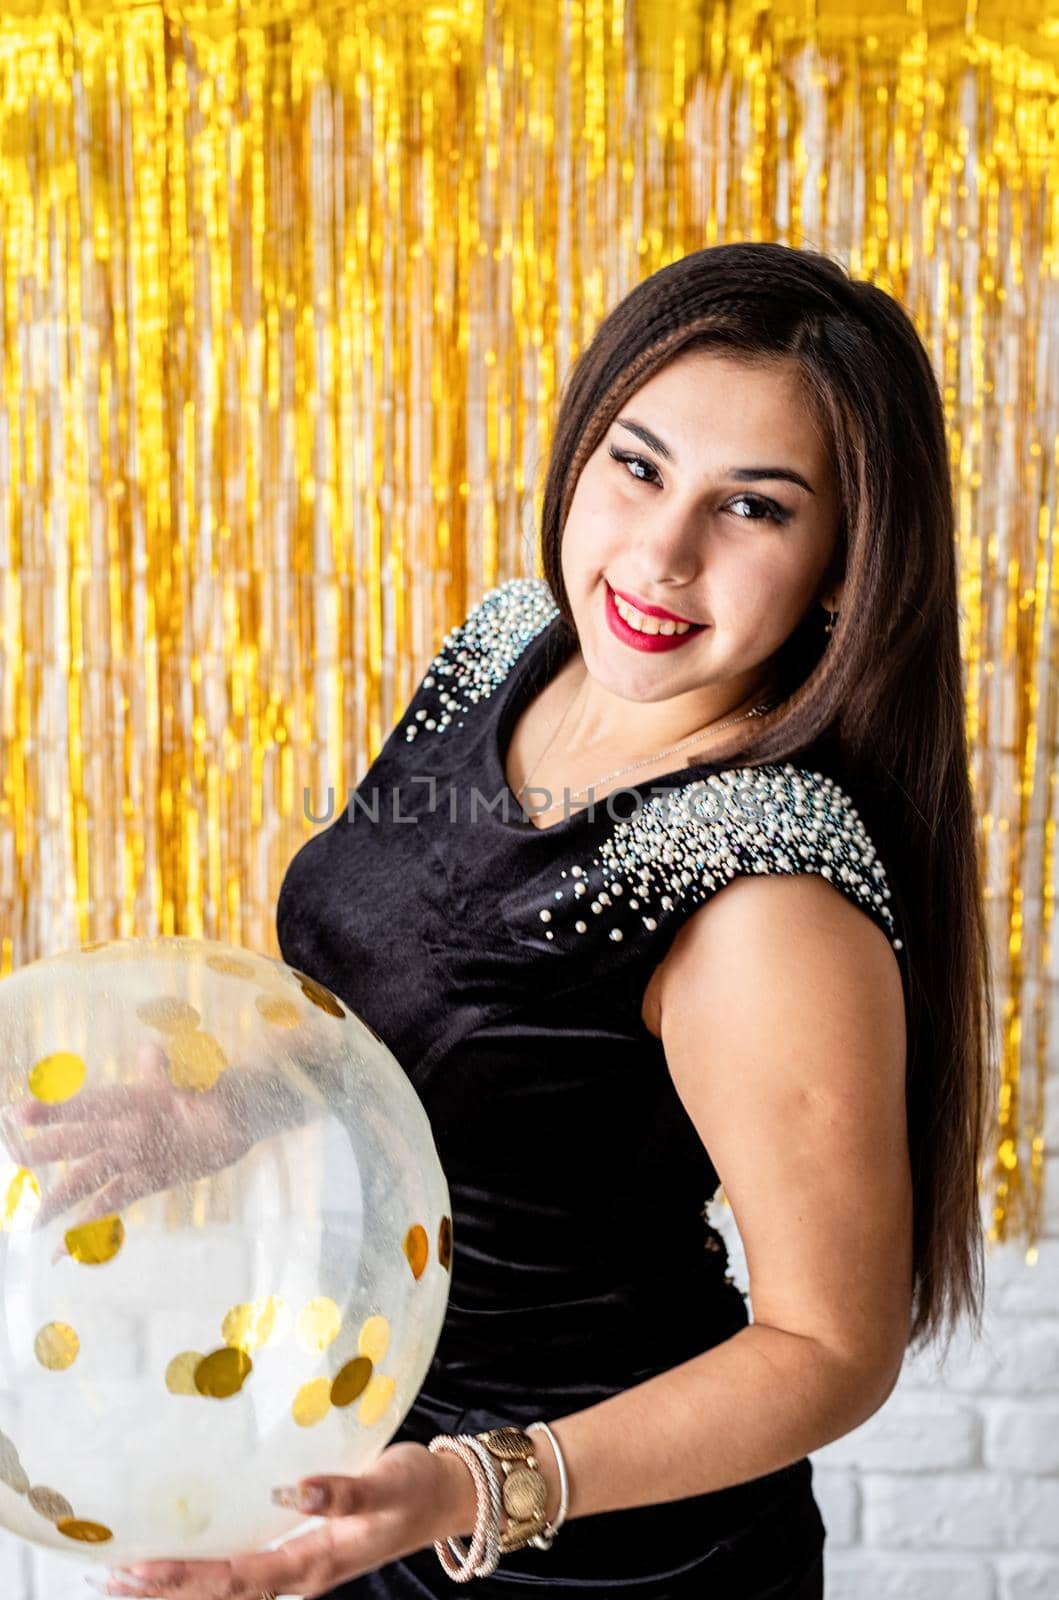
(952, 1488)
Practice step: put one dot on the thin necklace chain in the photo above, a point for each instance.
(756, 711)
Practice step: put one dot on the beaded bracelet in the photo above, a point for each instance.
(486, 1522)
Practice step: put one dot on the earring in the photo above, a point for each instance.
(829, 627)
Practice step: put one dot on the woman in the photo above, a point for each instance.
(749, 614)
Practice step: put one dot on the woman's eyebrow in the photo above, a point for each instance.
(742, 474)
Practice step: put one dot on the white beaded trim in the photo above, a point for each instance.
(685, 843)
(476, 656)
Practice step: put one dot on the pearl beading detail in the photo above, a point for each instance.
(682, 844)
(476, 656)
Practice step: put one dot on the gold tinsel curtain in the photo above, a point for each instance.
(287, 292)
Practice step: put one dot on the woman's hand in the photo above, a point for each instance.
(406, 1501)
(123, 1141)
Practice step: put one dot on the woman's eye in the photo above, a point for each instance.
(625, 457)
(769, 512)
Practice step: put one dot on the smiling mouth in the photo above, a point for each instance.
(651, 622)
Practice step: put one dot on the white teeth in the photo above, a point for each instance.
(642, 624)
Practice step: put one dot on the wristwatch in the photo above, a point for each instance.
(524, 1489)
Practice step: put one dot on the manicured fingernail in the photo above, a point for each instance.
(312, 1498)
(132, 1582)
(120, 1583)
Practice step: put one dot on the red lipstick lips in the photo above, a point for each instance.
(650, 643)
(654, 611)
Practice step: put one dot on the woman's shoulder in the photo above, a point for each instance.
(784, 817)
(475, 657)
(678, 848)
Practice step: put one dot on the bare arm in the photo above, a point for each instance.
(784, 1030)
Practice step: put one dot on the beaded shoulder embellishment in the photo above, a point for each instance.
(690, 840)
(476, 656)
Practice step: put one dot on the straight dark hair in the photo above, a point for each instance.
(885, 689)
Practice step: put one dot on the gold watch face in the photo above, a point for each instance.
(509, 1444)
(525, 1494)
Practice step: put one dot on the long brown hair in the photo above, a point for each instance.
(885, 689)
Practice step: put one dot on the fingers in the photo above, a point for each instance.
(88, 1176)
(403, 1474)
(183, 1580)
(386, 1515)
(60, 1144)
(333, 1496)
(77, 1127)
(120, 1193)
(303, 1566)
(13, 1138)
(111, 1100)
(102, 1104)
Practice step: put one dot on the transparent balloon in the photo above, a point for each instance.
(225, 1247)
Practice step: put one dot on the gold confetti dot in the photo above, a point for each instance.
(196, 1519)
(11, 1471)
(374, 1338)
(416, 1248)
(56, 1346)
(22, 1200)
(445, 1242)
(168, 1012)
(377, 1397)
(93, 1243)
(255, 1322)
(180, 1373)
(96, 944)
(278, 1010)
(15, 1478)
(312, 1402)
(223, 1372)
(318, 1323)
(319, 995)
(196, 1060)
(231, 966)
(49, 1503)
(350, 1380)
(57, 1077)
(84, 1532)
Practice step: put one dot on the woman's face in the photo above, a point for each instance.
(714, 534)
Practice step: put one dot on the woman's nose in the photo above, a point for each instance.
(670, 556)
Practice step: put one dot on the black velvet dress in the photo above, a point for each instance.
(505, 966)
